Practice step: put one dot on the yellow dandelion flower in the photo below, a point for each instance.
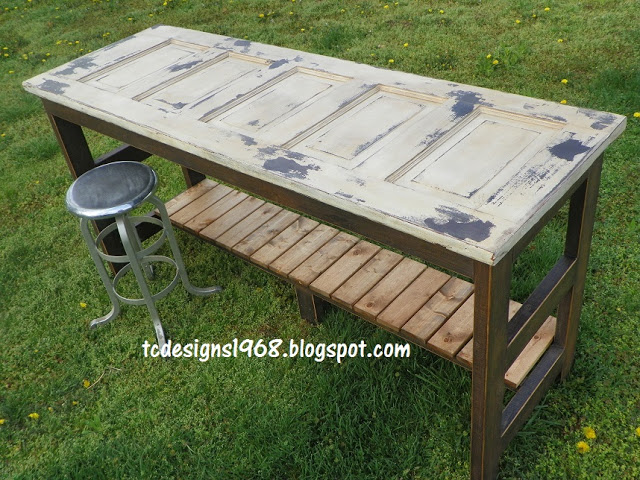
(342, 10)
(74, 403)
(34, 416)
(430, 10)
(151, 14)
(391, 60)
(564, 81)
(86, 383)
(50, 409)
(58, 42)
(534, 15)
(583, 447)
(441, 12)
(3, 134)
(302, 29)
(589, 432)
(130, 19)
(2, 420)
(5, 48)
(637, 115)
(495, 62)
(638, 429)
(261, 15)
(386, 6)
(406, 45)
(564, 102)
(11, 72)
(6, 54)
(517, 21)
(489, 55)
(48, 54)
(83, 305)
(547, 9)
(560, 40)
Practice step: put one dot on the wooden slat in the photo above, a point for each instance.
(215, 211)
(364, 279)
(306, 247)
(344, 268)
(389, 288)
(527, 359)
(232, 217)
(183, 199)
(316, 264)
(283, 241)
(263, 234)
(435, 312)
(412, 299)
(248, 225)
(455, 332)
(530, 355)
(197, 206)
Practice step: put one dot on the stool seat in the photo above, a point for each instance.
(110, 190)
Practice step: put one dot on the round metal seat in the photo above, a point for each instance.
(112, 191)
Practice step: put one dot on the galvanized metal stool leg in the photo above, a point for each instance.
(137, 245)
(127, 235)
(176, 251)
(104, 275)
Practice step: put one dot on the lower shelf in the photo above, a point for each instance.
(420, 304)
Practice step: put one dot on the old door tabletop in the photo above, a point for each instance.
(465, 168)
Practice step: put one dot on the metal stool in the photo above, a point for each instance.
(111, 191)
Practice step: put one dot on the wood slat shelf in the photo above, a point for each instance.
(416, 302)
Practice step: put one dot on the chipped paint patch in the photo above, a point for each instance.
(247, 140)
(466, 102)
(278, 63)
(568, 149)
(83, 63)
(460, 225)
(290, 168)
(54, 87)
(184, 66)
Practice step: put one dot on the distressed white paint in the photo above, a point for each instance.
(467, 168)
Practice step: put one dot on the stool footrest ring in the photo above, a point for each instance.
(163, 293)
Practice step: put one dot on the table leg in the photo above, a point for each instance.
(191, 177)
(579, 231)
(76, 152)
(311, 307)
(491, 302)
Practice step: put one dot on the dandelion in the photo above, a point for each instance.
(74, 403)
(2, 420)
(637, 429)
(547, 9)
(441, 12)
(534, 15)
(86, 383)
(564, 81)
(583, 447)
(83, 305)
(130, 19)
(386, 6)
(560, 40)
(589, 432)
(517, 21)
(11, 72)
(495, 62)
(406, 45)
(391, 60)
(5, 48)
(563, 102)
(302, 29)
(34, 416)
(261, 15)
(488, 55)
(50, 409)
(6, 54)
(3, 134)
(637, 115)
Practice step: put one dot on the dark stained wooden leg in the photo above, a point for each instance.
(311, 307)
(79, 160)
(579, 231)
(191, 177)
(489, 353)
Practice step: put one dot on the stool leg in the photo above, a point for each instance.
(127, 232)
(176, 251)
(137, 245)
(102, 271)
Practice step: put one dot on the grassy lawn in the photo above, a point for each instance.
(76, 403)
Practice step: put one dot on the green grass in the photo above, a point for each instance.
(250, 418)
